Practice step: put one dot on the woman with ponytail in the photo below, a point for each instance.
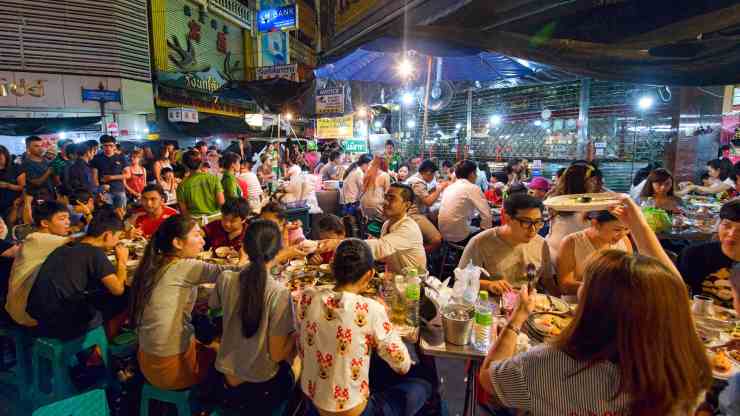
(257, 341)
(165, 288)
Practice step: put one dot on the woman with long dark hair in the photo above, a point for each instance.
(631, 349)
(374, 186)
(659, 186)
(165, 288)
(257, 341)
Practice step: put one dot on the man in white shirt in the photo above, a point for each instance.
(506, 251)
(254, 188)
(460, 202)
(52, 220)
(400, 244)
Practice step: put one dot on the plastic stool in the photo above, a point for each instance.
(179, 398)
(20, 374)
(92, 403)
(451, 254)
(58, 353)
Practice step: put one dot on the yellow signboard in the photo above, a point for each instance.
(335, 127)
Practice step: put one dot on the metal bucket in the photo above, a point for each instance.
(457, 331)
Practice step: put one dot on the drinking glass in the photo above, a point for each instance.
(703, 305)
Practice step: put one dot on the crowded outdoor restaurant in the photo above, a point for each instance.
(563, 295)
(369, 208)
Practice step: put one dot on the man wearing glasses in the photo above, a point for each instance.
(506, 251)
(707, 267)
(109, 171)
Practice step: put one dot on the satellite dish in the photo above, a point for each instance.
(546, 114)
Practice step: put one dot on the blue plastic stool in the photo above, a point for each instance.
(226, 412)
(92, 403)
(20, 374)
(58, 353)
(179, 398)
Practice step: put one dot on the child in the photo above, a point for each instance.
(330, 228)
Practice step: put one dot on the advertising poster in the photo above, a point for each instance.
(335, 127)
(330, 100)
(289, 72)
(277, 18)
(273, 45)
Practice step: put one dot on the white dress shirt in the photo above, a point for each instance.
(399, 246)
(460, 201)
(352, 187)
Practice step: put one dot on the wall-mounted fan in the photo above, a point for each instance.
(441, 92)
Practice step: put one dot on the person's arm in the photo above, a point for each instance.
(27, 209)
(289, 253)
(95, 178)
(391, 243)
(282, 346)
(158, 171)
(505, 345)
(41, 179)
(220, 198)
(390, 346)
(647, 242)
(11, 186)
(116, 283)
(21, 179)
(716, 188)
(567, 267)
(481, 204)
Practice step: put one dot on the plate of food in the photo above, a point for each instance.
(722, 366)
(546, 303)
(224, 252)
(582, 202)
(550, 325)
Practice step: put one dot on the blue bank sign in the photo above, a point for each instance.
(277, 18)
(103, 96)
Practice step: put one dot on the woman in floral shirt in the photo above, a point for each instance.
(339, 331)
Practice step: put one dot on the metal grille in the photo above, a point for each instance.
(617, 130)
(81, 37)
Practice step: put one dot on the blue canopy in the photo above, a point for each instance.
(378, 61)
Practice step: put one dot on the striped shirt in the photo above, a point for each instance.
(545, 382)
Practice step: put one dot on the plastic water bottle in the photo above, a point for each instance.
(413, 294)
(482, 323)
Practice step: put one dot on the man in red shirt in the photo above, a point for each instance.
(153, 210)
(229, 230)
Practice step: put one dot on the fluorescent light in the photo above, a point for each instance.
(538, 123)
(411, 124)
(407, 98)
(63, 135)
(378, 124)
(645, 102)
(405, 68)
(496, 119)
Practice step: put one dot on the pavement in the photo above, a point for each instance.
(451, 372)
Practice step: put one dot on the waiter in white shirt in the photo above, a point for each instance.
(460, 201)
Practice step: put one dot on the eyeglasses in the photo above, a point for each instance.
(526, 222)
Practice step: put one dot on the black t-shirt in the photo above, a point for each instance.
(61, 297)
(113, 165)
(9, 174)
(707, 270)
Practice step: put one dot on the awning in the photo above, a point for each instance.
(663, 42)
(31, 126)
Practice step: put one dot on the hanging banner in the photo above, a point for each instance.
(335, 127)
(330, 100)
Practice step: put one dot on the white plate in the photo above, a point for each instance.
(598, 202)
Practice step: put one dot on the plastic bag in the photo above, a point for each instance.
(467, 283)
(657, 219)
